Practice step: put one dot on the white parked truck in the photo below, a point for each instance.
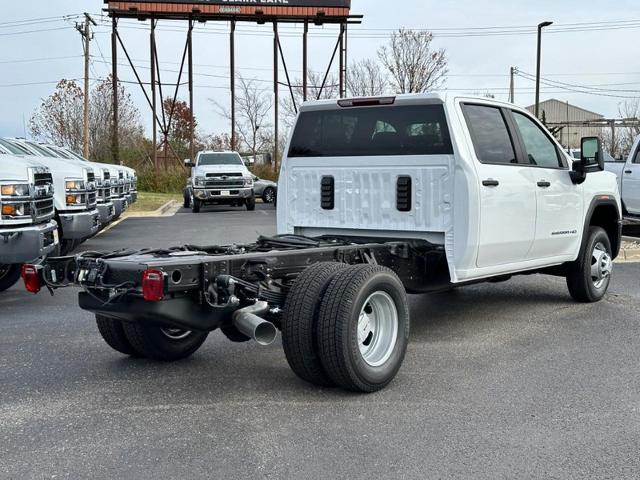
(75, 194)
(27, 229)
(219, 178)
(628, 174)
(379, 197)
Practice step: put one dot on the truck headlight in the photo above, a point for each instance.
(74, 185)
(73, 200)
(248, 182)
(16, 190)
(12, 210)
(200, 181)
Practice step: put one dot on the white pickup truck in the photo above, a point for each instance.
(219, 178)
(75, 193)
(379, 197)
(27, 228)
(628, 174)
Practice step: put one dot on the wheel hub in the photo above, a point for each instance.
(377, 329)
(601, 265)
(175, 333)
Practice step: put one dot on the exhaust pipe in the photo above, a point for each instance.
(247, 321)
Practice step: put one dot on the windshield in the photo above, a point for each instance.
(41, 150)
(219, 159)
(21, 148)
(372, 131)
(12, 148)
(61, 152)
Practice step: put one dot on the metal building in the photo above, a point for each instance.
(556, 113)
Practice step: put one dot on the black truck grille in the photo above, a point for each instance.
(44, 208)
(91, 199)
(91, 177)
(40, 179)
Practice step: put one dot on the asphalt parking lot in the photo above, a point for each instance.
(509, 380)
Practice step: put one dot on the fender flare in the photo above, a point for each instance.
(599, 201)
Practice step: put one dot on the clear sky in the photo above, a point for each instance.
(604, 57)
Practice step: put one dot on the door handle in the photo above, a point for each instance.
(490, 183)
(628, 172)
(544, 184)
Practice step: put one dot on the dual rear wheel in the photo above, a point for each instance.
(149, 341)
(346, 326)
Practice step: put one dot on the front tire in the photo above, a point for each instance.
(9, 276)
(187, 200)
(250, 203)
(113, 334)
(363, 328)
(300, 322)
(163, 344)
(196, 205)
(588, 277)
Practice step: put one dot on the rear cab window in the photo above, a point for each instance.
(372, 131)
(490, 135)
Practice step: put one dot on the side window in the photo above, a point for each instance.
(490, 135)
(637, 159)
(541, 151)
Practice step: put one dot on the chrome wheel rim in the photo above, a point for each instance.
(377, 329)
(175, 333)
(269, 196)
(601, 265)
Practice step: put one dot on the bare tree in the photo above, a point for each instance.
(366, 79)
(629, 110)
(253, 106)
(59, 118)
(315, 91)
(414, 66)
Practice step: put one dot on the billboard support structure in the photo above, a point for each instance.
(318, 12)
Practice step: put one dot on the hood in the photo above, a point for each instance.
(13, 168)
(61, 166)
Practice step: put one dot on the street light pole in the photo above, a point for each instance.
(540, 27)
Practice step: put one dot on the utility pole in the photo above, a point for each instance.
(87, 36)
(512, 85)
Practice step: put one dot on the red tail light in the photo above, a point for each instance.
(31, 278)
(153, 285)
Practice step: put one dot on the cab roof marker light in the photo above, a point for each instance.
(366, 102)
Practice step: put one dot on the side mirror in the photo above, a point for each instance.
(592, 156)
(256, 179)
(591, 159)
(188, 163)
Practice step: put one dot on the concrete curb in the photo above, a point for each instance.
(169, 209)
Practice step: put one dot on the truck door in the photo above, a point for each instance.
(631, 183)
(560, 202)
(507, 193)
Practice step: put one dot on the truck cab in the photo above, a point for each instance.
(628, 174)
(482, 180)
(27, 228)
(219, 178)
(75, 193)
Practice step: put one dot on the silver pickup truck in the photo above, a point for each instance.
(628, 174)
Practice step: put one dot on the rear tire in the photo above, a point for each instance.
(363, 328)
(163, 344)
(250, 203)
(300, 322)
(113, 334)
(588, 277)
(9, 276)
(187, 200)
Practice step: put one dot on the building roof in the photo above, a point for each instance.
(531, 108)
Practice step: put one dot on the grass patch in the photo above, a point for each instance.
(148, 202)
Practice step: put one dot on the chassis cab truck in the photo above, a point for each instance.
(379, 197)
(27, 228)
